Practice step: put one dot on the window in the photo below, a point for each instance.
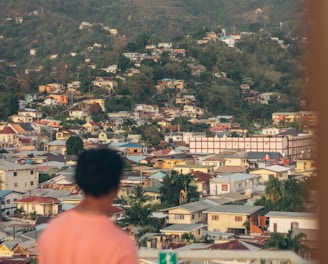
(32, 183)
(8, 201)
(240, 185)
(238, 218)
(224, 187)
(33, 207)
(32, 172)
(179, 217)
(15, 173)
(215, 218)
(15, 184)
(2, 201)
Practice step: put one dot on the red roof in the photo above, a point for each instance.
(39, 200)
(7, 130)
(201, 176)
(231, 245)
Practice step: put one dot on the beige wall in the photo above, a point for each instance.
(225, 221)
(198, 233)
(24, 180)
(265, 174)
(181, 216)
(40, 209)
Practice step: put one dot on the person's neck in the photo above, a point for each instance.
(95, 205)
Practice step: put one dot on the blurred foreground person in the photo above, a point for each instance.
(85, 233)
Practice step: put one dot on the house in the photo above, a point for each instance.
(202, 182)
(256, 158)
(235, 182)
(131, 149)
(233, 157)
(195, 231)
(186, 169)
(153, 193)
(16, 177)
(171, 161)
(8, 137)
(92, 127)
(60, 99)
(305, 165)
(185, 100)
(281, 172)
(5, 251)
(279, 118)
(282, 222)
(106, 82)
(30, 112)
(7, 199)
(270, 131)
(191, 213)
(231, 218)
(212, 160)
(64, 135)
(55, 145)
(100, 102)
(40, 205)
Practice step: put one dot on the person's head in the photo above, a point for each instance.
(98, 171)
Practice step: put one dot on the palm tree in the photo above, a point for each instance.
(138, 196)
(273, 190)
(288, 242)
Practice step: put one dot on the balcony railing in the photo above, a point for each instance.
(225, 256)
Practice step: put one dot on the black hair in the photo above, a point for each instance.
(98, 171)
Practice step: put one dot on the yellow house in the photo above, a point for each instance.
(39, 204)
(153, 193)
(193, 230)
(5, 251)
(186, 169)
(278, 171)
(304, 165)
(168, 162)
(191, 213)
(230, 218)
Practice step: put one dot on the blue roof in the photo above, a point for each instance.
(3, 193)
(131, 145)
(158, 175)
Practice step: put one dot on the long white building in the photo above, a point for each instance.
(290, 147)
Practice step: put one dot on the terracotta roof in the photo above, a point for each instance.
(39, 199)
(231, 245)
(201, 176)
(231, 169)
(7, 130)
(18, 128)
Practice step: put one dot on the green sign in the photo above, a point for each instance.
(168, 258)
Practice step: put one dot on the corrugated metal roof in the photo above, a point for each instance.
(182, 227)
(283, 214)
(234, 209)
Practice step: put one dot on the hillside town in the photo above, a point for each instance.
(234, 184)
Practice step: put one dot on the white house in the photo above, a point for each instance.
(7, 199)
(236, 182)
(282, 222)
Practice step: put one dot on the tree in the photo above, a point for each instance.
(138, 196)
(273, 190)
(290, 241)
(74, 146)
(123, 63)
(178, 189)
(151, 135)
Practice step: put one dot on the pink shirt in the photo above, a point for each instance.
(76, 238)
